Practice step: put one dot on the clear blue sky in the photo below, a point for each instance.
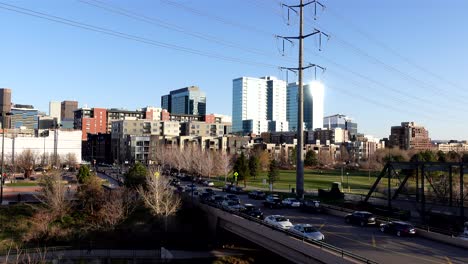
(387, 61)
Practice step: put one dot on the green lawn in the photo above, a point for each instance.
(22, 184)
(314, 180)
(359, 181)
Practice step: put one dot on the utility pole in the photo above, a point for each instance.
(3, 157)
(300, 88)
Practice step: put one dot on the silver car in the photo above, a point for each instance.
(279, 221)
(307, 231)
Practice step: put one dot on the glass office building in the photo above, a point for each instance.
(189, 101)
(313, 106)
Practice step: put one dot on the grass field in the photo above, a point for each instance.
(21, 184)
(359, 181)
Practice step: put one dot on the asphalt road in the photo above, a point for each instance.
(369, 242)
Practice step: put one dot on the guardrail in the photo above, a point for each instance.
(343, 253)
(387, 219)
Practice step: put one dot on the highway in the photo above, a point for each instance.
(369, 242)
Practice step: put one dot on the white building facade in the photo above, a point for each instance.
(66, 142)
(255, 102)
(55, 109)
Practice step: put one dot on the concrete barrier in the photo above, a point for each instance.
(294, 249)
(454, 241)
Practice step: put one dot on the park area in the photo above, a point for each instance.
(359, 181)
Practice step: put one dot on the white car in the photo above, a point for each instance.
(279, 221)
(208, 183)
(307, 231)
(291, 202)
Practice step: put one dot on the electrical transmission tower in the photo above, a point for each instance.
(300, 99)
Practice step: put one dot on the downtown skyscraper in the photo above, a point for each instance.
(258, 105)
(313, 106)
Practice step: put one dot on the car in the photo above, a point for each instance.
(237, 190)
(291, 202)
(251, 210)
(227, 188)
(399, 228)
(205, 196)
(231, 205)
(362, 218)
(217, 199)
(307, 231)
(273, 201)
(191, 189)
(311, 206)
(208, 183)
(232, 197)
(209, 190)
(278, 221)
(174, 182)
(179, 189)
(257, 195)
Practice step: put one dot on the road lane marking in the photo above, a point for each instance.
(373, 241)
(321, 226)
(448, 260)
(389, 250)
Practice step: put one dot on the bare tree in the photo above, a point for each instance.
(70, 160)
(158, 196)
(53, 194)
(197, 161)
(324, 158)
(224, 164)
(26, 160)
(161, 155)
(208, 167)
(114, 209)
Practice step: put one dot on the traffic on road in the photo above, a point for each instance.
(359, 233)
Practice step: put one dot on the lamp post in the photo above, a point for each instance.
(3, 156)
(347, 181)
(4, 114)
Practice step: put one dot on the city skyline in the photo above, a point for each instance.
(409, 75)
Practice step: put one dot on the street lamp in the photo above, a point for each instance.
(2, 179)
(347, 181)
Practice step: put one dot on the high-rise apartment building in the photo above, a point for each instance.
(189, 100)
(5, 105)
(115, 114)
(313, 106)
(90, 121)
(256, 102)
(152, 113)
(341, 121)
(55, 109)
(67, 110)
(410, 136)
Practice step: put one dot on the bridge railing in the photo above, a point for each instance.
(384, 219)
(343, 253)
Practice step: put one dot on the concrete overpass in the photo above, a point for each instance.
(281, 243)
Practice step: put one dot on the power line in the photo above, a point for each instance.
(382, 45)
(218, 18)
(124, 35)
(119, 34)
(424, 85)
(160, 23)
